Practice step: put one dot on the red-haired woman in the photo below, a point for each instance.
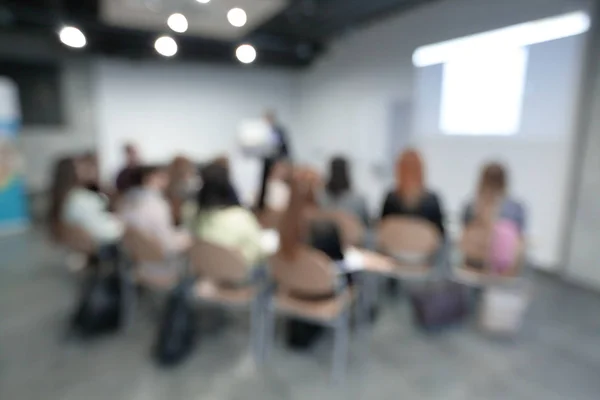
(411, 197)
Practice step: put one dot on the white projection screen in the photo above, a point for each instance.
(509, 95)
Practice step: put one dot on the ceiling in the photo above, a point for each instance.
(285, 32)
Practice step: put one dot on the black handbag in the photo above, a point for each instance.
(177, 334)
(440, 305)
(100, 308)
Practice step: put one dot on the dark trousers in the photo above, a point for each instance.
(267, 167)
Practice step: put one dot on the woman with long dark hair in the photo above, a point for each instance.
(338, 193)
(221, 220)
(73, 203)
(410, 197)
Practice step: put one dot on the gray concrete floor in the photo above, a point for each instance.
(556, 356)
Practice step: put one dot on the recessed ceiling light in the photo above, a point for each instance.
(178, 22)
(203, 1)
(246, 53)
(166, 46)
(72, 37)
(237, 17)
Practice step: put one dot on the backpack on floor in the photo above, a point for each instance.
(177, 331)
(440, 305)
(100, 309)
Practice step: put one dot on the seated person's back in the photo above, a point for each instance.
(410, 198)
(145, 208)
(338, 194)
(222, 221)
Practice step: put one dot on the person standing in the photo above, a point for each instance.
(125, 177)
(282, 151)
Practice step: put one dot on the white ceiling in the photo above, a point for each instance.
(206, 20)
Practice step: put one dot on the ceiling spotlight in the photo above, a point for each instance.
(203, 1)
(72, 37)
(246, 53)
(237, 17)
(178, 22)
(166, 46)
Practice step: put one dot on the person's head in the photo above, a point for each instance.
(65, 177)
(153, 177)
(339, 177)
(87, 167)
(217, 191)
(493, 180)
(132, 156)
(410, 177)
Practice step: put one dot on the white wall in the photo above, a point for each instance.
(346, 98)
(170, 109)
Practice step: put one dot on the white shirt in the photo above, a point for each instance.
(87, 210)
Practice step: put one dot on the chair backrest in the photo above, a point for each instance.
(310, 273)
(407, 236)
(351, 228)
(217, 263)
(142, 247)
(76, 238)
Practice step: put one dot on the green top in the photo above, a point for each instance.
(235, 228)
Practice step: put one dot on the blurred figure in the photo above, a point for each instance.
(73, 203)
(221, 220)
(496, 218)
(132, 160)
(298, 228)
(338, 194)
(145, 208)
(493, 201)
(282, 152)
(183, 186)
(410, 197)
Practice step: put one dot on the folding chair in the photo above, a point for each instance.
(224, 280)
(297, 283)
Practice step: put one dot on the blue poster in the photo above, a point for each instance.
(13, 206)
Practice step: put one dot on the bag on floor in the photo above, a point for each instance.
(301, 335)
(439, 305)
(502, 310)
(100, 308)
(177, 329)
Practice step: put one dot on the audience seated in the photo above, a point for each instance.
(493, 200)
(125, 176)
(73, 203)
(338, 194)
(498, 219)
(221, 220)
(299, 228)
(184, 183)
(145, 208)
(410, 197)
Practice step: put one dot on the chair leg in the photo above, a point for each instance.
(340, 348)
(268, 336)
(256, 329)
